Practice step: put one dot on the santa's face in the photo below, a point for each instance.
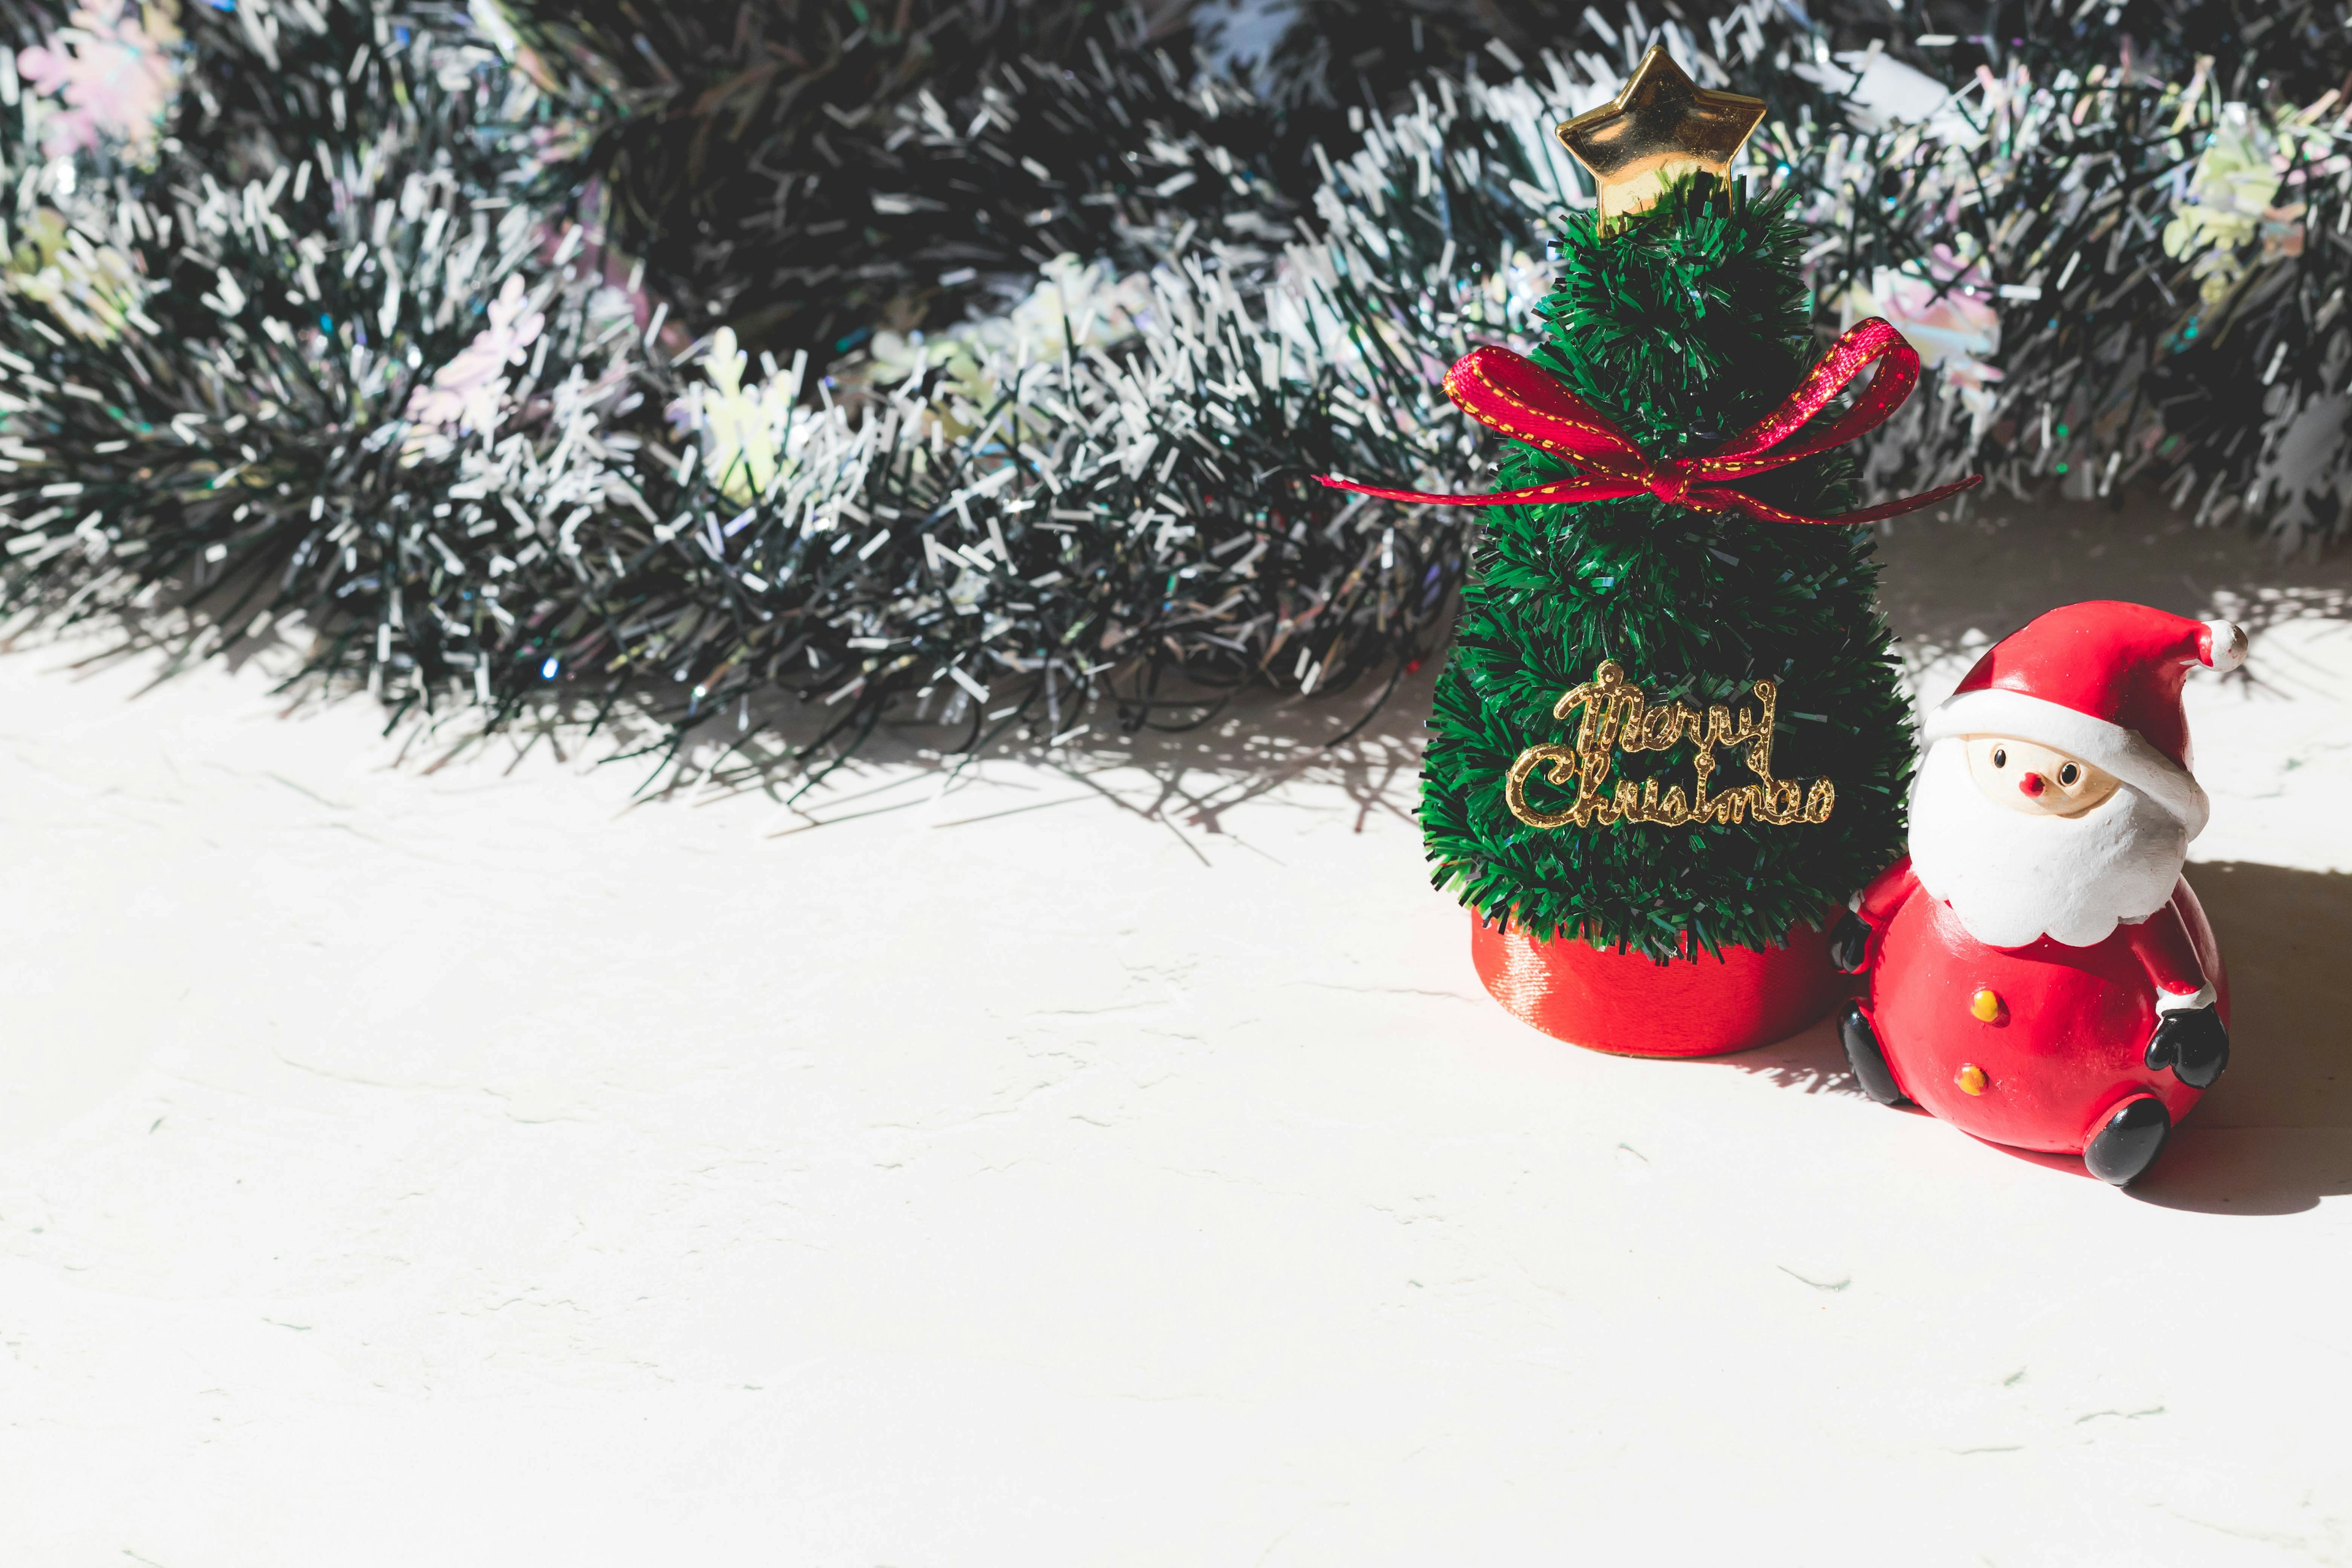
(2035, 779)
(2069, 860)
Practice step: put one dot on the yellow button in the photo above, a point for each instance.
(1970, 1077)
(1987, 1008)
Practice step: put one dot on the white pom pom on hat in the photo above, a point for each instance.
(2225, 645)
(2101, 681)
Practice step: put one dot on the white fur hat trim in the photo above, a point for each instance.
(2123, 752)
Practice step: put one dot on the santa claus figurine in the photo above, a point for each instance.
(2040, 974)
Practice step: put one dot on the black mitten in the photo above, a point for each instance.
(1849, 942)
(2192, 1043)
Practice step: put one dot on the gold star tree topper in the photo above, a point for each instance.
(1661, 125)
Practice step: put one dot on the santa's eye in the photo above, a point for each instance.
(2069, 774)
(1999, 757)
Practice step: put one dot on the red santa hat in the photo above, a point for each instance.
(2100, 682)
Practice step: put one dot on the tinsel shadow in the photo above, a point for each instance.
(1954, 583)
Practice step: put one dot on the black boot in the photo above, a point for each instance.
(2130, 1141)
(1863, 1055)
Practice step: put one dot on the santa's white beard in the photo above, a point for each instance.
(2013, 879)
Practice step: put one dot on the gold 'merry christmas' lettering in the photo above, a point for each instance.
(1617, 718)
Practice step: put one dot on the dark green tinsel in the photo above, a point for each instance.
(345, 189)
(806, 171)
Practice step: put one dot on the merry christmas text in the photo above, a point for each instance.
(1617, 718)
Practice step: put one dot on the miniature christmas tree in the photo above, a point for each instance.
(1684, 323)
(1672, 722)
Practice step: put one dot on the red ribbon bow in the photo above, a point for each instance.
(1517, 397)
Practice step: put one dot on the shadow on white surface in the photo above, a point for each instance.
(2008, 561)
(2274, 1135)
(1811, 1061)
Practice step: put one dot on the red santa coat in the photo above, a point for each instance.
(2060, 1040)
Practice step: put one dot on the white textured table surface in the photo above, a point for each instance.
(1116, 1166)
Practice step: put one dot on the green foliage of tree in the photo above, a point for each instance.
(1684, 324)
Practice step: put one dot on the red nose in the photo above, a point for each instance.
(2030, 784)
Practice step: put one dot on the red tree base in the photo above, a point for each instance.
(1634, 1006)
